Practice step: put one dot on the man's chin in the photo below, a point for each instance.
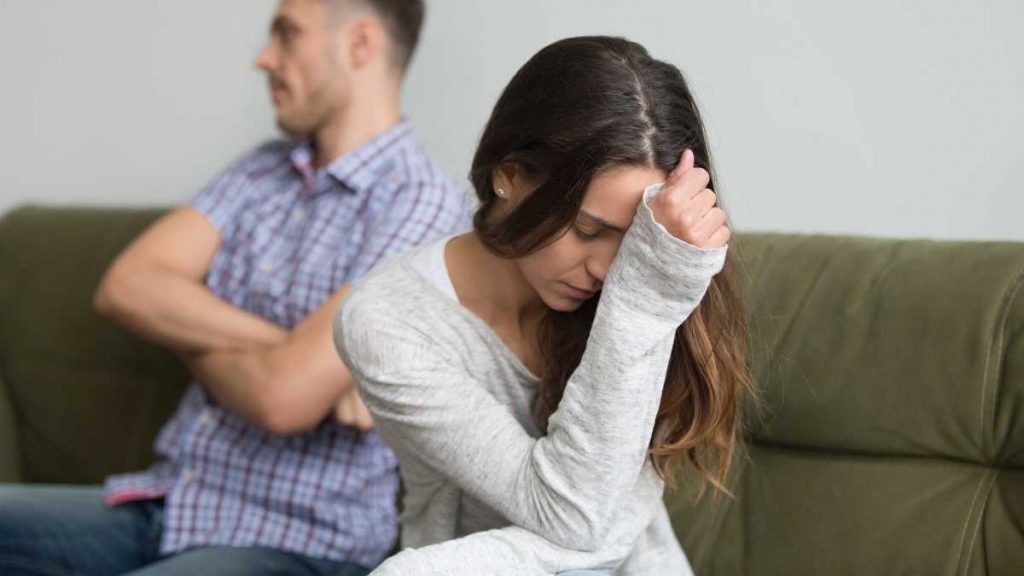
(290, 131)
(291, 128)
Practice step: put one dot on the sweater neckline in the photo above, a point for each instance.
(492, 337)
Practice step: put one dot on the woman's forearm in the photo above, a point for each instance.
(599, 435)
(515, 550)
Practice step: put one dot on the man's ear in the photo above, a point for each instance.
(366, 41)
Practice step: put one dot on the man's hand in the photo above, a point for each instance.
(350, 411)
(686, 207)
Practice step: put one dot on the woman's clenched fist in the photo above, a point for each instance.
(686, 207)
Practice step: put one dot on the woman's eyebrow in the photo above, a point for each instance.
(601, 221)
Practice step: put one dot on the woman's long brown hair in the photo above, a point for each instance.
(578, 107)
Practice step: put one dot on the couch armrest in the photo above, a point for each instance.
(10, 468)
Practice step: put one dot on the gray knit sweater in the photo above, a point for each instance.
(486, 492)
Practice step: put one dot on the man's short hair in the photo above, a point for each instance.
(403, 20)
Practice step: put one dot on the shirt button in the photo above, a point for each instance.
(205, 417)
(188, 475)
(265, 267)
(299, 215)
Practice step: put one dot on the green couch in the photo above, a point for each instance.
(890, 439)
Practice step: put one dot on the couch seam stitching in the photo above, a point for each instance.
(998, 333)
(784, 337)
(977, 524)
(967, 520)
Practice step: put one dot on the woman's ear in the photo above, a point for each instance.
(509, 186)
(507, 181)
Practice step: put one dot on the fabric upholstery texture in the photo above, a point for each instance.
(87, 396)
(890, 437)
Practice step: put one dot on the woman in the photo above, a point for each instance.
(535, 377)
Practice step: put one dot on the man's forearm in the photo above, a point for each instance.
(238, 380)
(286, 387)
(283, 389)
(180, 313)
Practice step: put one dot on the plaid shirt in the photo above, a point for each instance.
(291, 236)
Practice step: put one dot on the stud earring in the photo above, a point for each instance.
(500, 192)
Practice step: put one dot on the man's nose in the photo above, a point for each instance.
(264, 59)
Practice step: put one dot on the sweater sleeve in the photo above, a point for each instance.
(514, 551)
(566, 486)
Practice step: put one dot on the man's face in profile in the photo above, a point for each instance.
(303, 60)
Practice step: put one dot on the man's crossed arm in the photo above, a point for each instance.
(284, 382)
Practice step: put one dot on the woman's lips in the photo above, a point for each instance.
(579, 293)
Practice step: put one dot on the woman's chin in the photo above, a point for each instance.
(560, 303)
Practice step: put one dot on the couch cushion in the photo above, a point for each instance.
(887, 347)
(890, 439)
(88, 397)
(10, 467)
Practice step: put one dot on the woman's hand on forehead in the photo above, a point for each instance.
(688, 209)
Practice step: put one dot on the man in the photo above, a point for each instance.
(268, 465)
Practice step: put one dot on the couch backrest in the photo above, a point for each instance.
(87, 397)
(891, 436)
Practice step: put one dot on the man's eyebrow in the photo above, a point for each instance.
(281, 22)
(601, 221)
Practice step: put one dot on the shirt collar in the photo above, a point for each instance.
(361, 168)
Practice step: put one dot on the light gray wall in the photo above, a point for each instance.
(879, 118)
(126, 101)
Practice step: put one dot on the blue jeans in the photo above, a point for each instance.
(68, 531)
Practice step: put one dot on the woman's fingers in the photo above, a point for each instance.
(699, 206)
(687, 208)
(719, 238)
(685, 163)
(706, 227)
(693, 182)
(675, 197)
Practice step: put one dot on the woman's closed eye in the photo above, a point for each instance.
(587, 233)
(589, 226)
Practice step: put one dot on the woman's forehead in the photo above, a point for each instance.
(613, 194)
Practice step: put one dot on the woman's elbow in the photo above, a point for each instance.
(592, 538)
(582, 530)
